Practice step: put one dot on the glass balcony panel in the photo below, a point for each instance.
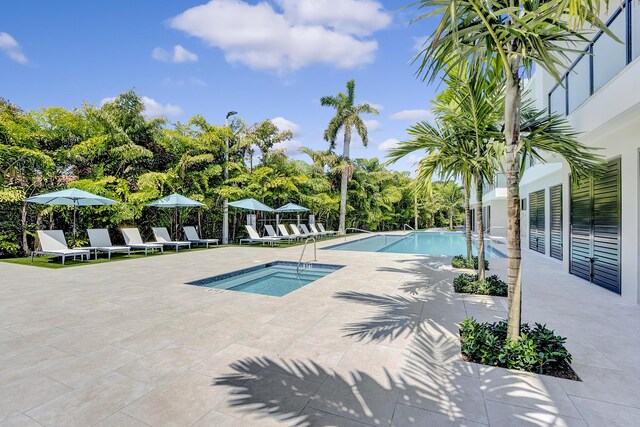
(558, 101)
(635, 28)
(579, 85)
(609, 55)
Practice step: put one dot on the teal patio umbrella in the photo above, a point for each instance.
(251, 205)
(290, 207)
(175, 201)
(71, 197)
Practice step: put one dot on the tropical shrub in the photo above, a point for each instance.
(538, 348)
(461, 261)
(469, 284)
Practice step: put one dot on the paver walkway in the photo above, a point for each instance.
(373, 344)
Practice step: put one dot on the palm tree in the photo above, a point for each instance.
(347, 118)
(452, 198)
(510, 35)
(450, 154)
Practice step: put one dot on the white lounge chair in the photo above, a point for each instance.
(133, 239)
(162, 236)
(272, 233)
(192, 236)
(52, 242)
(255, 237)
(321, 227)
(315, 230)
(285, 232)
(296, 232)
(305, 230)
(101, 242)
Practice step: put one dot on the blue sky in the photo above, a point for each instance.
(270, 59)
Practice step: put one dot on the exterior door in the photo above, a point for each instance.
(536, 221)
(555, 194)
(596, 228)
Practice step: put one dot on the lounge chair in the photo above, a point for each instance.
(305, 230)
(192, 236)
(52, 242)
(133, 239)
(285, 232)
(162, 236)
(101, 242)
(315, 230)
(296, 232)
(272, 233)
(321, 227)
(255, 237)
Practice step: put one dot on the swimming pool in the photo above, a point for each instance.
(422, 243)
(276, 278)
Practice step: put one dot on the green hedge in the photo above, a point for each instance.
(461, 261)
(469, 284)
(538, 350)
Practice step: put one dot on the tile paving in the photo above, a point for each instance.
(373, 344)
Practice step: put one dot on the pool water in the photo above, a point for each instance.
(422, 243)
(275, 278)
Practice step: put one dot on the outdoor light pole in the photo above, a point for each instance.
(225, 217)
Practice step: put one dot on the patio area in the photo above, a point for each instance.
(373, 344)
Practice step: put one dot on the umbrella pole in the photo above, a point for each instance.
(74, 225)
(175, 230)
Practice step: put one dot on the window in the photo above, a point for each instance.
(523, 204)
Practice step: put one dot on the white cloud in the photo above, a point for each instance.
(372, 125)
(284, 124)
(412, 115)
(153, 108)
(12, 48)
(179, 55)
(388, 144)
(419, 43)
(292, 146)
(260, 37)
(358, 17)
(378, 107)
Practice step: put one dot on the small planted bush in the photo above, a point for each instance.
(469, 284)
(461, 261)
(538, 350)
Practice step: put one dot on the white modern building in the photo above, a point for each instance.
(592, 227)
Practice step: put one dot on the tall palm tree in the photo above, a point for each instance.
(452, 198)
(450, 154)
(511, 35)
(347, 118)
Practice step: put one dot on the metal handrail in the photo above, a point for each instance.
(404, 227)
(364, 231)
(346, 231)
(315, 252)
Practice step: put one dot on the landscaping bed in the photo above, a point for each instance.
(538, 350)
(469, 284)
(461, 261)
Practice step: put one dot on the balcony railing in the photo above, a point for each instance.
(601, 61)
(499, 181)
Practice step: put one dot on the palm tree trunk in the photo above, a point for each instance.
(467, 224)
(23, 220)
(480, 227)
(415, 211)
(450, 218)
(345, 181)
(512, 139)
